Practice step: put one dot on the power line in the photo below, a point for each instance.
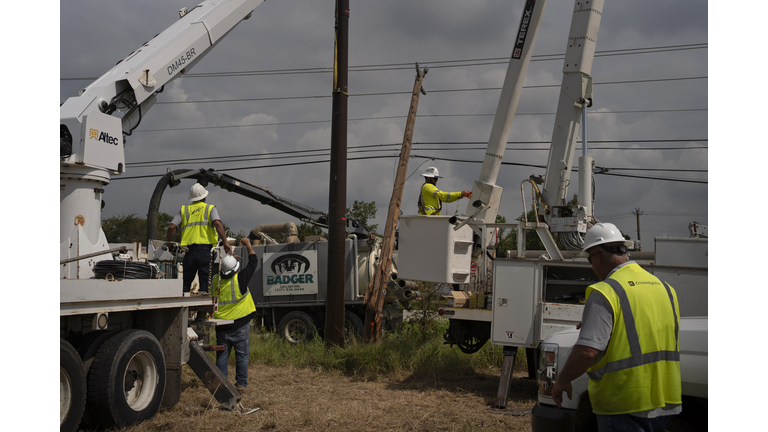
(397, 117)
(654, 213)
(435, 64)
(396, 147)
(416, 157)
(431, 91)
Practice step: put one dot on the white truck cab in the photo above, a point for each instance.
(683, 263)
(554, 351)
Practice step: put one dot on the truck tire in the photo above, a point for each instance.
(297, 327)
(87, 346)
(72, 387)
(126, 381)
(353, 327)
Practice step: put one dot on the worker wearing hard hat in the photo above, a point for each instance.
(235, 303)
(628, 341)
(200, 229)
(431, 198)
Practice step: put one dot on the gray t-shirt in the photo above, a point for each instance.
(596, 328)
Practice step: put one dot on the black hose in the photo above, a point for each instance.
(110, 269)
(154, 202)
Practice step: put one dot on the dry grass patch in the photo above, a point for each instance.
(295, 399)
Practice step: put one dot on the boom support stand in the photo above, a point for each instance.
(212, 378)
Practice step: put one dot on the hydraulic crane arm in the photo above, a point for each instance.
(575, 94)
(94, 124)
(300, 211)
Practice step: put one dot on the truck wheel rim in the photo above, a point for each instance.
(296, 331)
(140, 380)
(65, 400)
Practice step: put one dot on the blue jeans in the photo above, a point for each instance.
(630, 423)
(240, 340)
(196, 261)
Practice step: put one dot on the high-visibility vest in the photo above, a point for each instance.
(431, 199)
(232, 304)
(641, 367)
(196, 224)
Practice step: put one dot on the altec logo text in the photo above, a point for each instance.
(103, 136)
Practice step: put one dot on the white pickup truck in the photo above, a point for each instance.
(576, 414)
(683, 263)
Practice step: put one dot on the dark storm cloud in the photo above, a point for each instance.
(299, 34)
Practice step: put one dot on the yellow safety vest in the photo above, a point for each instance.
(232, 304)
(431, 199)
(641, 367)
(196, 224)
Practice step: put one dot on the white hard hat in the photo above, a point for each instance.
(603, 233)
(229, 266)
(432, 172)
(197, 192)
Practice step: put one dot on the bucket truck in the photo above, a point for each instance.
(471, 328)
(124, 333)
(532, 299)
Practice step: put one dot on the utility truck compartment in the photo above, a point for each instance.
(540, 298)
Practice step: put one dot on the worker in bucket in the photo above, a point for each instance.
(628, 343)
(431, 198)
(200, 229)
(235, 303)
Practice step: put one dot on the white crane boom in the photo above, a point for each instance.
(485, 188)
(94, 124)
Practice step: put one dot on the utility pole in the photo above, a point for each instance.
(337, 197)
(637, 212)
(374, 297)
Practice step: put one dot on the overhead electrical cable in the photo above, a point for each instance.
(408, 93)
(417, 157)
(396, 147)
(433, 64)
(400, 117)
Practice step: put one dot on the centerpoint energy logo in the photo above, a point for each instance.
(290, 273)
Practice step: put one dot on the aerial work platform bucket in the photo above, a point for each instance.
(430, 250)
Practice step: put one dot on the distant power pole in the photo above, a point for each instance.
(374, 296)
(637, 212)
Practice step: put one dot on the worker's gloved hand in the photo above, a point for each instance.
(466, 194)
(172, 247)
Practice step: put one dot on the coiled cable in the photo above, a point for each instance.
(108, 269)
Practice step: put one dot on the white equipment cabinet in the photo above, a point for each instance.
(534, 299)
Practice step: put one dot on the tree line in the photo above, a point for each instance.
(130, 228)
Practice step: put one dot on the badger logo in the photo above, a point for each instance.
(290, 263)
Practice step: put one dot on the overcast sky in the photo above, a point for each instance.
(670, 89)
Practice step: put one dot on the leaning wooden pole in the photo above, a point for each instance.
(374, 297)
(337, 197)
